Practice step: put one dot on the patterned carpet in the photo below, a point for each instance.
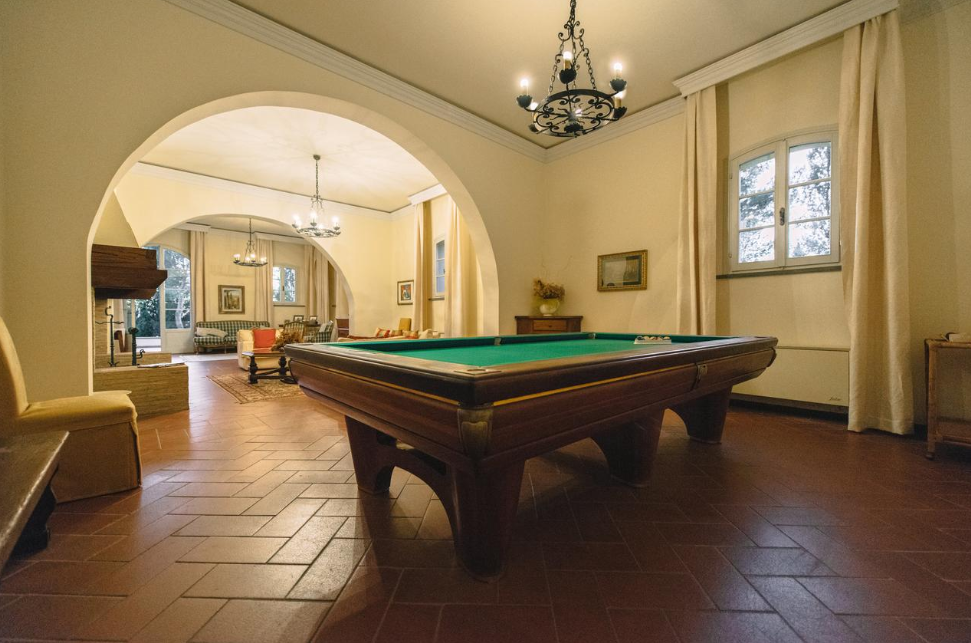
(237, 385)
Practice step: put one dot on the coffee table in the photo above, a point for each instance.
(27, 465)
(281, 372)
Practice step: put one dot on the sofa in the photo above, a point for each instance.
(244, 342)
(203, 343)
(101, 453)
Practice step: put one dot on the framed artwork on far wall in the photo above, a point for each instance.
(622, 271)
(406, 292)
(232, 300)
(298, 318)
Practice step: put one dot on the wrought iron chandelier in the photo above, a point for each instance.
(248, 258)
(574, 111)
(314, 228)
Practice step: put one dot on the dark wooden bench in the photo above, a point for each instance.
(27, 465)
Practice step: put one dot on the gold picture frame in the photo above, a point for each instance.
(622, 271)
(232, 300)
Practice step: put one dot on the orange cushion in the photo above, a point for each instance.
(264, 337)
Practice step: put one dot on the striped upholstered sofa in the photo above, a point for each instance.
(230, 327)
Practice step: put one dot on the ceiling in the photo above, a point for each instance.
(273, 147)
(473, 54)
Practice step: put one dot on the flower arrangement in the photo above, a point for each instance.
(547, 289)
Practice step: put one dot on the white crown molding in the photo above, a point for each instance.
(401, 213)
(427, 194)
(654, 114)
(814, 30)
(245, 189)
(255, 26)
(194, 227)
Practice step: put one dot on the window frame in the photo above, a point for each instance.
(436, 293)
(296, 285)
(781, 148)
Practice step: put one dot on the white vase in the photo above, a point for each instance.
(549, 306)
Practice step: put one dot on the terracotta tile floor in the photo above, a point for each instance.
(250, 528)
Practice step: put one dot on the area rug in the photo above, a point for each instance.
(237, 385)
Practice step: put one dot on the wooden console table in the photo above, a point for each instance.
(941, 429)
(540, 324)
(27, 465)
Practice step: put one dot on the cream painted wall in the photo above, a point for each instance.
(113, 229)
(619, 196)
(800, 92)
(153, 203)
(937, 50)
(102, 82)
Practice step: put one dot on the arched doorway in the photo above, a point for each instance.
(447, 178)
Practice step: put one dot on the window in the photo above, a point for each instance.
(782, 209)
(284, 284)
(178, 290)
(439, 271)
(148, 315)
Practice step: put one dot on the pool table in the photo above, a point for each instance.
(464, 414)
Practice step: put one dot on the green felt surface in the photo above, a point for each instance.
(512, 353)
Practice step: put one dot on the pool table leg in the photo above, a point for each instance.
(630, 449)
(704, 417)
(373, 472)
(483, 514)
(481, 505)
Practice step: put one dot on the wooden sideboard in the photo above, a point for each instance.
(539, 324)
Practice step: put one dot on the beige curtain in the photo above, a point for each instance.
(317, 291)
(197, 273)
(421, 318)
(873, 225)
(264, 283)
(699, 217)
(461, 282)
(340, 297)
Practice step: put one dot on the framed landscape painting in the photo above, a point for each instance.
(622, 271)
(406, 291)
(232, 300)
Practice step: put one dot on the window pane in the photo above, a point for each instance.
(290, 284)
(276, 283)
(756, 211)
(440, 250)
(757, 175)
(809, 162)
(178, 290)
(809, 201)
(440, 284)
(809, 239)
(756, 245)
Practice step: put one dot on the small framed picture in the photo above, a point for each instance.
(232, 300)
(406, 292)
(298, 318)
(622, 271)
(312, 320)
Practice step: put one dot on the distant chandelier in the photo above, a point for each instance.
(314, 229)
(248, 258)
(573, 111)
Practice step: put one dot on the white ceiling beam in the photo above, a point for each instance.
(427, 194)
(235, 187)
(268, 32)
(823, 26)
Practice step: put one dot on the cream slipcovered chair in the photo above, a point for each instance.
(244, 342)
(101, 453)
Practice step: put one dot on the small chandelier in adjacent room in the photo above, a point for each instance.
(248, 258)
(313, 227)
(575, 110)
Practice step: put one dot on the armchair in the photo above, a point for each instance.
(101, 453)
(244, 342)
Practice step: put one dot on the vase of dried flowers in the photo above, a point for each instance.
(549, 295)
